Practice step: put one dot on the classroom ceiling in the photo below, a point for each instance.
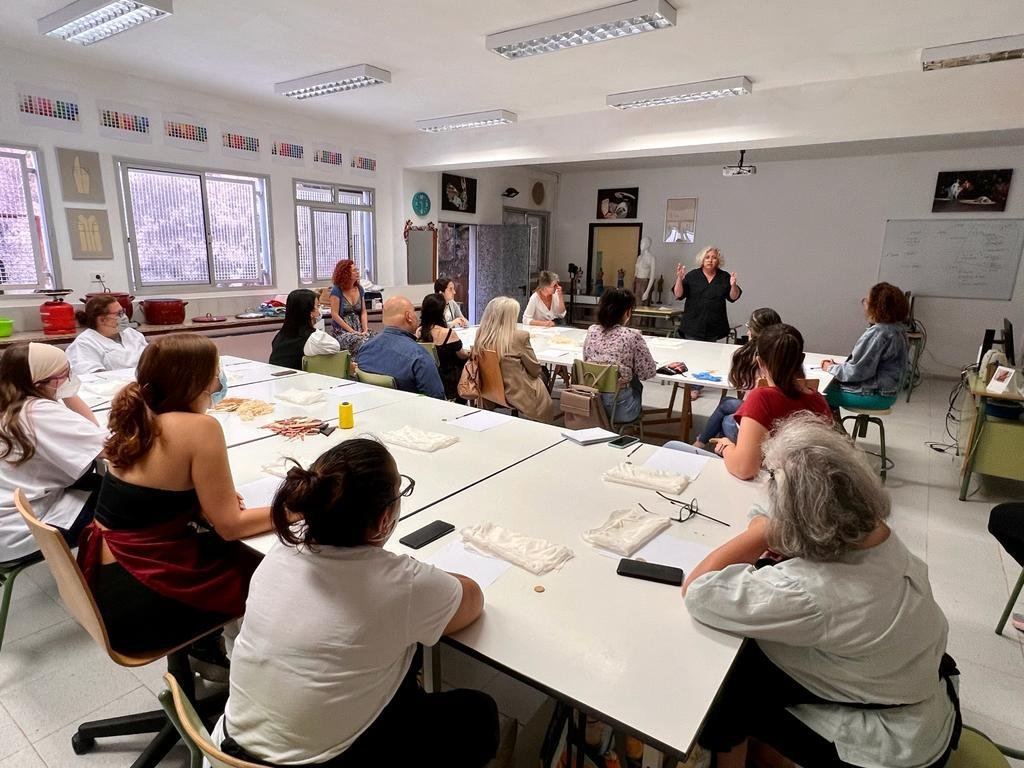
(440, 66)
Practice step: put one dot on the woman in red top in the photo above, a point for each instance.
(162, 556)
(780, 358)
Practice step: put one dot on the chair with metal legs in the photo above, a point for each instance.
(9, 571)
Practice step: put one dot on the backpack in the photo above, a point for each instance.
(469, 382)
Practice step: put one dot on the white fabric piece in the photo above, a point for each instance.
(626, 530)
(644, 477)
(278, 468)
(538, 556)
(92, 351)
(321, 343)
(418, 439)
(301, 396)
(104, 387)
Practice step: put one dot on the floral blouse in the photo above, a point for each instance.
(621, 346)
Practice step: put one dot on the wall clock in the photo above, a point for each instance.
(421, 204)
(537, 193)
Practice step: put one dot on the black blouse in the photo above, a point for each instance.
(704, 315)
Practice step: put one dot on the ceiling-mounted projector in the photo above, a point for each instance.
(741, 169)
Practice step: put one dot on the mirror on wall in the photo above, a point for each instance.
(421, 254)
(680, 219)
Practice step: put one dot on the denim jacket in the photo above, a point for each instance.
(877, 363)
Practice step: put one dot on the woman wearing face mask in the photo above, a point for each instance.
(299, 335)
(107, 342)
(162, 556)
(332, 626)
(49, 441)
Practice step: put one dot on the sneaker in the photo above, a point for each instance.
(1018, 622)
(209, 663)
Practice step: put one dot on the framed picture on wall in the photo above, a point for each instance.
(89, 232)
(680, 219)
(972, 191)
(617, 203)
(80, 179)
(458, 193)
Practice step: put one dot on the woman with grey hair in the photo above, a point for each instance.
(546, 306)
(845, 662)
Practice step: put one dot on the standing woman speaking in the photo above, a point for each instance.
(706, 290)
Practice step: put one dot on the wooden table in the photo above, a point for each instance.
(995, 446)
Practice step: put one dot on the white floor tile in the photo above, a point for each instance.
(31, 610)
(23, 758)
(12, 739)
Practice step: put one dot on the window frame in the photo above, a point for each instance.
(49, 261)
(347, 208)
(265, 238)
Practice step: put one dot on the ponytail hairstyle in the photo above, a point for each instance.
(173, 372)
(95, 308)
(339, 499)
(743, 373)
(780, 349)
(16, 389)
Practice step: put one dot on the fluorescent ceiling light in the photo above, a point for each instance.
(89, 21)
(335, 81)
(608, 23)
(976, 52)
(680, 94)
(472, 120)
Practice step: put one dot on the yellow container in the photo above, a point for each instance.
(345, 416)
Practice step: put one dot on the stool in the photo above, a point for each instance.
(9, 571)
(915, 340)
(861, 419)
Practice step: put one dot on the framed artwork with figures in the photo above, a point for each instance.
(89, 232)
(617, 203)
(80, 178)
(458, 193)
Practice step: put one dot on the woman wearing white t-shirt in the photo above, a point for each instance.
(546, 306)
(107, 342)
(324, 670)
(49, 441)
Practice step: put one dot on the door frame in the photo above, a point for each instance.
(545, 256)
(590, 246)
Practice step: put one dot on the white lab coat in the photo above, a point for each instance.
(92, 351)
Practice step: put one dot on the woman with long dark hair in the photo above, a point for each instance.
(453, 316)
(451, 356)
(299, 335)
(162, 556)
(49, 442)
(324, 670)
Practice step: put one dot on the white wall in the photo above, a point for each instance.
(90, 84)
(805, 237)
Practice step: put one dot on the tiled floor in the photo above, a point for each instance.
(52, 675)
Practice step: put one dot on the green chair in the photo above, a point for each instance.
(605, 379)
(862, 418)
(336, 365)
(976, 750)
(9, 571)
(376, 379)
(431, 347)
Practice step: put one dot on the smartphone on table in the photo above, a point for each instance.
(624, 441)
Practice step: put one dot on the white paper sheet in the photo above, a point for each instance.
(259, 493)
(689, 464)
(480, 421)
(456, 558)
(668, 550)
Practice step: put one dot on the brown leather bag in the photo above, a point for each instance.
(583, 408)
(469, 382)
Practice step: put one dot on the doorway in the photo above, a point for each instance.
(611, 255)
(539, 224)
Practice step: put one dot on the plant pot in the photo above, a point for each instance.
(164, 311)
(6, 326)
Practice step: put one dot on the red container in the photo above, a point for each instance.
(124, 299)
(58, 317)
(164, 311)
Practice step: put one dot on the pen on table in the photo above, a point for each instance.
(634, 450)
(463, 415)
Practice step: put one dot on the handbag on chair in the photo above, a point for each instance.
(582, 406)
(469, 382)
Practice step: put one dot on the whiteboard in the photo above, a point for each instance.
(962, 258)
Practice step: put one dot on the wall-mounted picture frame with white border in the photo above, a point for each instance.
(680, 219)
(81, 180)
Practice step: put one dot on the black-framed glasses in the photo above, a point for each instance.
(406, 488)
(691, 508)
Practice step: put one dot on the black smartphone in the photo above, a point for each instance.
(283, 373)
(428, 533)
(624, 441)
(638, 569)
(671, 369)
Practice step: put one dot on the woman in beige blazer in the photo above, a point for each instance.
(523, 375)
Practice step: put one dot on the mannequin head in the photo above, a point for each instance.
(645, 244)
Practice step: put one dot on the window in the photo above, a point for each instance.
(26, 260)
(195, 228)
(333, 223)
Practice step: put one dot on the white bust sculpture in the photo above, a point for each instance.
(644, 269)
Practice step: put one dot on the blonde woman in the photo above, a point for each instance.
(521, 372)
(546, 306)
(706, 290)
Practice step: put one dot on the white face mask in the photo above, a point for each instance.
(69, 388)
(123, 322)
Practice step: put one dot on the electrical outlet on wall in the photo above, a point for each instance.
(97, 277)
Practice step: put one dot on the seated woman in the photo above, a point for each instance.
(545, 307)
(162, 556)
(742, 377)
(611, 340)
(873, 373)
(524, 377)
(451, 356)
(299, 336)
(453, 316)
(107, 342)
(49, 442)
(324, 670)
(780, 358)
(845, 661)
(349, 324)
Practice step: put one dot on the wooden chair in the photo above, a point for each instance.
(79, 601)
(336, 365)
(9, 571)
(376, 379)
(492, 383)
(604, 378)
(431, 347)
(193, 732)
